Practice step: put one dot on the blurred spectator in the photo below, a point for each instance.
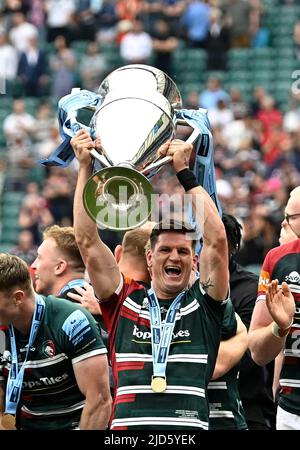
(12, 6)
(237, 105)
(25, 247)
(221, 115)
(269, 114)
(136, 45)
(36, 14)
(20, 159)
(32, 195)
(291, 119)
(106, 22)
(59, 18)
(35, 216)
(8, 59)
(238, 131)
(195, 21)
(33, 70)
(44, 120)
(45, 147)
(85, 18)
(19, 123)
(259, 34)
(271, 120)
(21, 32)
(297, 40)
(163, 45)
(172, 11)
(150, 12)
(128, 10)
(93, 67)
(192, 100)
(59, 193)
(259, 236)
(238, 19)
(217, 42)
(259, 94)
(209, 98)
(62, 63)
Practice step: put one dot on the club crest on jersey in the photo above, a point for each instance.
(293, 277)
(49, 349)
(145, 304)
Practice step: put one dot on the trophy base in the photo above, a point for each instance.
(118, 198)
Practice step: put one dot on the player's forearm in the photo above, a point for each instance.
(231, 351)
(85, 228)
(95, 414)
(264, 346)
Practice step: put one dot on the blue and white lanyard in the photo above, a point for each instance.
(161, 336)
(15, 377)
(78, 282)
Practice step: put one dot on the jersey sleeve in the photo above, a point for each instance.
(81, 336)
(215, 309)
(264, 278)
(229, 324)
(111, 308)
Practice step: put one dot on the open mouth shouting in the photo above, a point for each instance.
(173, 271)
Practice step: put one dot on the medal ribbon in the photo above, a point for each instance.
(78, 282)
(15, 377)
(161, 336)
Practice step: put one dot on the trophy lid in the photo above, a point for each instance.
(141, 77)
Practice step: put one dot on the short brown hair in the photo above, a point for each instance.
(172, 225)
(14, 273)
(66, 242)
(134, 242)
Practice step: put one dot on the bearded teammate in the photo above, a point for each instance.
(275, 325)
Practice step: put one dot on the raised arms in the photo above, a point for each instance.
(98, 258)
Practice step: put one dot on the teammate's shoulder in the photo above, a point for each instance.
(284, 249)
(61, 305)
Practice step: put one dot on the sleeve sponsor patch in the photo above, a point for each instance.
(77, 327)
(264, 280)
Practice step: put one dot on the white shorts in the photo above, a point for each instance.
(286, 420)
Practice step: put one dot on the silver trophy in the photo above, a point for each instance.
(137, 113)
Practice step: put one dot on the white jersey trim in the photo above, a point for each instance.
(217, 385)
(43, 362)
(140, 421)
(99, 351)
(54, 411)
(289, 383)
(218, 414)
(171, 389)
(130, 357)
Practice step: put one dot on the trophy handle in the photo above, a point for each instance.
(76, 126)
(100, 158)
(158, 162)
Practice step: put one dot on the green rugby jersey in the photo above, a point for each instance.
(50, 398)
(226, 411)
(191, 360)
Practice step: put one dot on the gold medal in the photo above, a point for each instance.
(8, 422)
(158, 384)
